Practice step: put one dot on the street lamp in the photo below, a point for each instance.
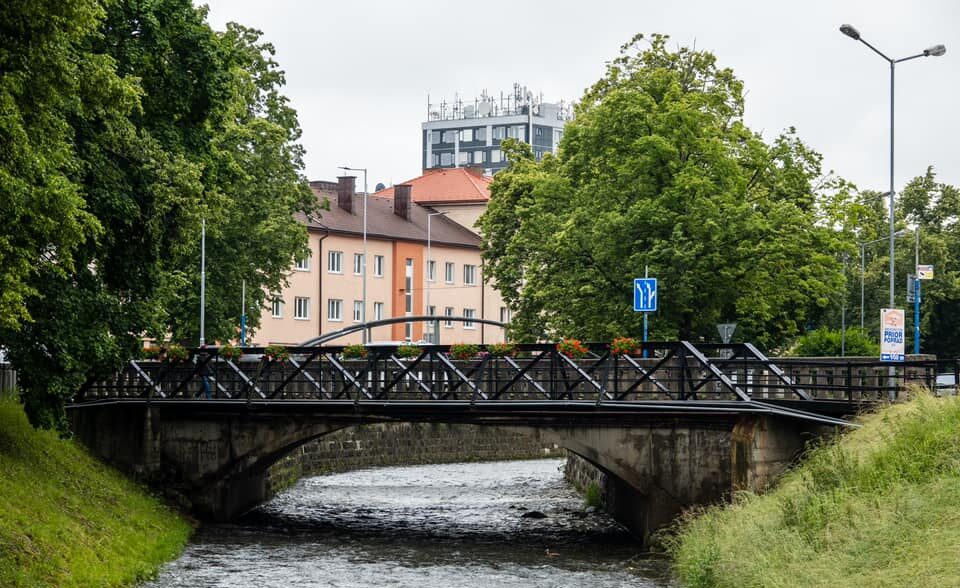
(935, 51)
(363, 263)
(863, 245)
(433, 323)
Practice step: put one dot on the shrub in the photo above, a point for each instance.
(407, 351)
(463, 350)
(825, 342)
(502, 349)
(276, 353)
(572, 348)
(175, 353)
(230, 352)
(624, 346)
(355, 351)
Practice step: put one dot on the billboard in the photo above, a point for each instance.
(891, 334)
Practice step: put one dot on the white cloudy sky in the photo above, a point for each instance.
(359, 72)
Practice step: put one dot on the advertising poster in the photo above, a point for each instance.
(891, 334)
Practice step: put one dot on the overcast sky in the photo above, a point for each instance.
(359, 72)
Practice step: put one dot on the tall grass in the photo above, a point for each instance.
(879, 507)
(68, 520)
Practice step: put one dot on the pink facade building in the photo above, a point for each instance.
(325, 291)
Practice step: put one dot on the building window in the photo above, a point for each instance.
(480, 134)
(468, 313)
(449, 136)
(378, 266)
(357, 311)
(517, 132)
(478, 157)
(303, 265)
(435, 136)
(469, 275)
(357, 264)
(377, 311)
(538, 131)
(466, 135)
(495, 156)
(432, 271)
(430, 336)
(335, 262)
(334, 309)
(436, 160)
(504, 314)
(408, 288)
(557, 135)
(448, 311)
(276, 308)
(463, 157)
(499, 132)
(539, 154)
(301, 308)
(446, 158)
(448, 272)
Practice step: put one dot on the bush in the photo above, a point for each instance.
(230, 352)
(624, 346)
(502, 349)
(408, 351)
(355, 351)
(825, 342)
(276, 353)
(464, 350)
(175, 353)
(572, 348)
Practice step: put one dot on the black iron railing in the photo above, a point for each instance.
(674, 371)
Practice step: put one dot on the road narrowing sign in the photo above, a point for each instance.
(645, 294)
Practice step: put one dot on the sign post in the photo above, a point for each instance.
(924, 272)
(645, 300)
(726, 331)
(891, 334)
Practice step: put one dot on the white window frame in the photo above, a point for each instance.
(335, 310)
(449, 271)
(377, 311)
(448, 311)
(276, 308)
(303, 265)
(357, 311)
(378, 266)
(357, 264)
(301, 303)
(469, 313)
(432, 270)
(335, 262)
(469, 274)
(504, 314)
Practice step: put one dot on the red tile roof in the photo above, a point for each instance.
(447, 186)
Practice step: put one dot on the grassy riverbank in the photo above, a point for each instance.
(68, 520)
(881, 507)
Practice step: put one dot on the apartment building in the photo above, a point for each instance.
(403, 278)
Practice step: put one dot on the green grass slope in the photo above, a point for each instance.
(879, 507)
(68, 520)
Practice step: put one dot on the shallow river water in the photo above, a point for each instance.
(423, 526)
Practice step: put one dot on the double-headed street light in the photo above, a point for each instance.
(363, 264)
(935, 51)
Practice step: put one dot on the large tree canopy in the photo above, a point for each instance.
(658, 170)
(158, 122)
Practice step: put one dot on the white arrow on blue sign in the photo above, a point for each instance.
(645, 294)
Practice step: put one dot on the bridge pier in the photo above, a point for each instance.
(654, 472)
(215, 466)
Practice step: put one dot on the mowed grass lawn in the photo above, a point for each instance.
(68, 520)
(880, 506)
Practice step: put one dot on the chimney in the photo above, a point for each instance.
(346, 187)
(401, 200)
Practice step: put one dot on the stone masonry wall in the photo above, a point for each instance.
(397, 444)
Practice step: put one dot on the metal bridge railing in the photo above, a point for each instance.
(675, 371)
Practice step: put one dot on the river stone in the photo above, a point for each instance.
(533, 514)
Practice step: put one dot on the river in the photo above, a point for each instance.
(513, 523)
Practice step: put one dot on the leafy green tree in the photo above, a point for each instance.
(176, 123)
(658, 170)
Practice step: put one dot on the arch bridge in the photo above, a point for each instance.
(685, 425)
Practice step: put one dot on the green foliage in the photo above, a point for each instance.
(873, 509)
(592, 496)
(572, 348)
(276, 353)
(230, 352)
(464, 350)
(66, 519)
(824, 342)
(659, 170)
(408, 351)
(502, 349)
(624, 345)
(129, 122)
(355, 351)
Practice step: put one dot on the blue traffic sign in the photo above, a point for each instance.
(645, 294)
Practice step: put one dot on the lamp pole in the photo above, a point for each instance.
(432, 323)
(203, 279)
(935, 51)
(916, 292)
(363, 262)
